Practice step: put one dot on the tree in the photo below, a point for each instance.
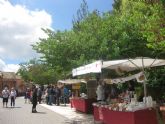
(23, 72)
(37, 72)
(148, 21)
(156, 84)
(121, 33)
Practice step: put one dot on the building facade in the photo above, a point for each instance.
(10, 79)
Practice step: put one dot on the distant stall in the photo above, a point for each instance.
(81, 102)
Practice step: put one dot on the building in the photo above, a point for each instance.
(10, 79)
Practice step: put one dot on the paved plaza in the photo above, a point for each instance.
(21, 114)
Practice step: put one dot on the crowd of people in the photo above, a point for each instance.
(50, 95)
(56, 95)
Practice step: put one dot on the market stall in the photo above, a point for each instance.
(121, 112)
(81, 102)
(125, 109)
(139, 63)
(108, 116)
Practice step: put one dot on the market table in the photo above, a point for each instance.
(145, 116)
(81, 104)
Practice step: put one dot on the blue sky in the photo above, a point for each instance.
(62, 11)
(21, 22)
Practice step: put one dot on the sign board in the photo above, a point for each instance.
(94, 67)
(76, 86)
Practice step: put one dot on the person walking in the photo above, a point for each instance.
(65, 95)
(5, 96)
(13, 95)
(27, 95)
(58, 95)
(51, 94)
(39, 95)
(34, 98)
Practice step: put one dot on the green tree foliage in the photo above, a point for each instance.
(36, 72)
(117, 5)
(156, 84)
(83, 88)
(24, 72)
(147, 20)
(58, 51)
(98, 35)
(142, 34)
(128, 29)
(154, 29)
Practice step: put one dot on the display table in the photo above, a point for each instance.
(107, 116)
(83, 105)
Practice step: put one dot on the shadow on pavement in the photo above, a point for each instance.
(78, 121)
(11, 107)
(40, 112)
(16, 107)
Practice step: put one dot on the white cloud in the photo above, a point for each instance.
(19, 28)
(11, 68)
(8, 67)
(2, 65)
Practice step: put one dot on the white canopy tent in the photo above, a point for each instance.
(133, 64)
(126, 65)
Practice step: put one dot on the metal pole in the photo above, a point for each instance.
(145, 87)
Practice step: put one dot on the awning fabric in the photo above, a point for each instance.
(139, 77)
(133, 64)
(72, 81)
(127, 65)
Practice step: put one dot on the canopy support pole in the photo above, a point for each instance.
(145, 82)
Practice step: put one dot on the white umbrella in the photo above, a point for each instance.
(127, 65)
(133, 64)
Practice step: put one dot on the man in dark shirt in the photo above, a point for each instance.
(34, 98)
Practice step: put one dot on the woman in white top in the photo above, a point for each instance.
(5, 95)
(13, 95)
(100, 92)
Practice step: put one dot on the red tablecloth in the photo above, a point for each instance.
(117, 117)
(83, 105)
